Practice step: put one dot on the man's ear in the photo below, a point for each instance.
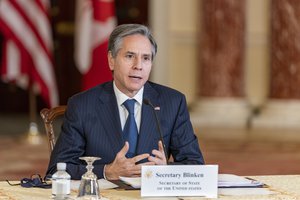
(111, 61)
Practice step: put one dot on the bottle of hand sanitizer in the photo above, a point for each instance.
(61, 182)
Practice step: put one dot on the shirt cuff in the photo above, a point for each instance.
(104, 172)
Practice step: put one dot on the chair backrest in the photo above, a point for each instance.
(49, 116)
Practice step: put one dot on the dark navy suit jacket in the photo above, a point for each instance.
(92, 127)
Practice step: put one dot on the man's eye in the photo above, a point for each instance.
(129, 56)
(147, 58)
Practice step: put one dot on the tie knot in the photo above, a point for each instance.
(129, 104)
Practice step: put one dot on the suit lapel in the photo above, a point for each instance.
(108, 114)
(148, 131)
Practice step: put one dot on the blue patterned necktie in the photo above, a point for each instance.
(130, 129)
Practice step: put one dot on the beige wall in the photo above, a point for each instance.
(174, 24)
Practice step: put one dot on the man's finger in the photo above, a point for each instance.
(147, 163)
(124, 150)
(158, 154)
(161, 147)
(140, 157)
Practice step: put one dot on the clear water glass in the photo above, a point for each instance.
(89, 189)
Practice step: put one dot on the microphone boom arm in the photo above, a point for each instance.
(147, 102)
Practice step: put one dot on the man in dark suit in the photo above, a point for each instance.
(95, 119)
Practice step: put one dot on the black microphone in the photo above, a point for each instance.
(148, 102)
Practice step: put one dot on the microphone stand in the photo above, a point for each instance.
(147, 102)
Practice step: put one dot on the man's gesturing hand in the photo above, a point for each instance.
(160, 158)
(123, 166)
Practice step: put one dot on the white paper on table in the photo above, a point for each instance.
(244, 191)
(231, 181)
(224, 181)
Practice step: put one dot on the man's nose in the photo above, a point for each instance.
(138, 63)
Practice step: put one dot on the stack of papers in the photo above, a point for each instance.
(232, 181)
(224, 181)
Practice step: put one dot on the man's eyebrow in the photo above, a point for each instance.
(129, 52)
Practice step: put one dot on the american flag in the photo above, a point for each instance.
(95, 20)
(27, 57)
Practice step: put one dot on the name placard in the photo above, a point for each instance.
(179, 180)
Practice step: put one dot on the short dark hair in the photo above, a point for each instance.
(121, 31)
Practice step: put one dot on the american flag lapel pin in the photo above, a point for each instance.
(156, 108)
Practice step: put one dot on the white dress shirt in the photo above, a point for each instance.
(123, 113)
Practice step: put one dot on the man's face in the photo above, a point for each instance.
(132, 64)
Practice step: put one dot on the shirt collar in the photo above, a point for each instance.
(121, 97)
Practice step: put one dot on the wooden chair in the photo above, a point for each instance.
(49, 116)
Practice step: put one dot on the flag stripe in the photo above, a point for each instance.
(36, 21)
(13, 60)
(44, 5)
(40, 21)
(26, 24)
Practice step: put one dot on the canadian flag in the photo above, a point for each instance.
(95, 20)
(27, 47)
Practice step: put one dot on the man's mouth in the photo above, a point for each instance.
(135, 77)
